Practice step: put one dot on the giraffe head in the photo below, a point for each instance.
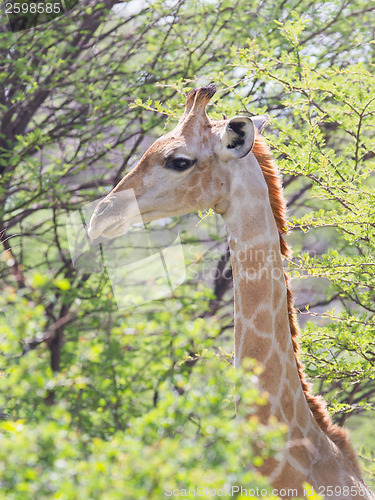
(186, 170)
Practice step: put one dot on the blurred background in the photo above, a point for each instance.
(98, 402)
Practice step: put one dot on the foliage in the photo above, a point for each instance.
(95, 401)
(185, 440)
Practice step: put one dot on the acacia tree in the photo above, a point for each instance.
(75, 115)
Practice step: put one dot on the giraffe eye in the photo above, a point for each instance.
(179, 164)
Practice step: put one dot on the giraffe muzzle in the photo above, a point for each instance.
(114, 215)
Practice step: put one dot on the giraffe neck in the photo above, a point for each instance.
(260, 299)
(262, 332)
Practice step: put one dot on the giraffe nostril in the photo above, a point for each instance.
(102, 208)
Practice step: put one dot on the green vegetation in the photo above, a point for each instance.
(101, 403)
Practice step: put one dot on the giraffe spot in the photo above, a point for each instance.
(253, 294)
(264, 413)
(290, 478)
(279, 293)
(205, 139)
(251, 229)
(282, 333)
(279, 416)
(258, 347)
(194, 180)
(232, 246)
(206, 179)
(287, 402)
(301, 411)
(238, 324)
(254, 253)
(299, 448)
(271, 375)
(217, 184)
(293, 377)
(268, 466)
(263, 322)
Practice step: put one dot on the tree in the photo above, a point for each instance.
(80, 99)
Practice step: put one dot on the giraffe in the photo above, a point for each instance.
(227, 166)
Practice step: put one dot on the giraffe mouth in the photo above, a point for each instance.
(115, 228)
(119, 227)
(96, 231)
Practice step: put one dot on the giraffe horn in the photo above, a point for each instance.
(197, 100)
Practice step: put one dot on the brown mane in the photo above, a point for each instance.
(316, 403)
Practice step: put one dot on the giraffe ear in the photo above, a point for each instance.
(238, 136)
